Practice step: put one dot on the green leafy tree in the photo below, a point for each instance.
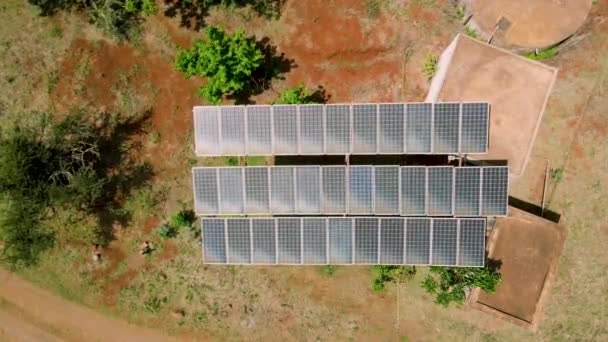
(297, 95)
(227, 61)
(449, 284)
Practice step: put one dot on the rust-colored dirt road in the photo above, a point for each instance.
(29, 313)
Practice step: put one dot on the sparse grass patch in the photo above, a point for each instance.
(56, 32)
(372, 8)
(460, 11)
(557, 174)
(328, 270)
(155, 138)
(384, 274)
(542, 55)
(233, 161)
(471, 32)
(52, 80)
(256, 161)
(430, 66)
(142, 202)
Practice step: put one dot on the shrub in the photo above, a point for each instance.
(328, 270)
(471, 32)
(372, 7)
(384, 273)
(298, 95)
(183, 219)
(166, 232)
(448, 284)
(227, 61)
(557, 175)
(542, 55)
(430, 66)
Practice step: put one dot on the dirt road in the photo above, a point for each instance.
(29, 313)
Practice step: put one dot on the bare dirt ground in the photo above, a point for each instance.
(34, 314)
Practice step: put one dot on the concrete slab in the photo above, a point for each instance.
(516, 88)
(530, 24)
(529, 248)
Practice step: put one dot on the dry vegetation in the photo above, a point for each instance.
(59, 63)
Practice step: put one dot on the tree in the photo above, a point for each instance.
(227, 61)
(449, 284)
(298, 95)
(43, 165)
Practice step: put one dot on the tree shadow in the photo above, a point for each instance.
(193, 13)
(124, 171)
(50, 7)
(319, 95)
(274, 66)
(493, 264)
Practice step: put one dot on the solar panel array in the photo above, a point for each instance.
(345, 240)
(391, 128)
(356, 190)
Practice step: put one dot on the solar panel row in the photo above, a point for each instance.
(392, 128)
(357, 190)
(361, 240)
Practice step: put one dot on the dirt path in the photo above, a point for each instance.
(29, 313)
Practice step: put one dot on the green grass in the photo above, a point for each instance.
(328, 270)
(155, 138)
(372, 9)
(256, 161)
(430, 66)
(471, 32)
(52, 80)
(557, 175)
(543, 55)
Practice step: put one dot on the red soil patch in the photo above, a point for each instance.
(169, 251)
(113, 256)
(150, 224)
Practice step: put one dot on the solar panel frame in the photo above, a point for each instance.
(446, 128)
(233, 130)
(494, 194)
(386, 188)
(334, 196)
(467, 187)
(337, 129)
(308, 189)
(440, 191)
(232, 190)
(391, 128)
(360, 189)
(257, 196)
(214, 241)
(418, 119)
(344, 241)
(364, 123)
(474, 131)
(312, 137)
(206, 194)
(259, 130)
(207, 121)
(413, 190)
(285, 125)
(282, 190)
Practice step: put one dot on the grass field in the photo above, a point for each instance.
(61, 63)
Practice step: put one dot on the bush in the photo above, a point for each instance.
(449, 284)
(430, 66)
(471, 32)
(384, 273)
(298, 95)
(166, 232)
(328, 270)
(183, 219)
(227, 61)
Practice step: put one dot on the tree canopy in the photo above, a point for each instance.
(449, 284)
(226, 61)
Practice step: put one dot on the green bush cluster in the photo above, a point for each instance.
(226, 61)
(430, 66)
(542, 55)
(183, 219)
(385, 273)
(448, 284)
(297, 95)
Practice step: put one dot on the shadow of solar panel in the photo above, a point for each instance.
(340, 232)
(214, 242)
(495, 183)
(366, 240)
(360, 190)
(391, 128)
(446, 127)
(285, 123)
(233, 130)
(440, 190)
(467, 191)
(334, 189)
(474, 130)
(445, 235)
(472, 242)
(205, 191)
(387, 190)
(391, 241)
(264, 244)
(259, 130)
(256, 190)
(239, 245)
(313, 241)
(311, 129)
(337, 129)
(308, 194)
(289, 245)
(207, 137)
(418, 241)
(364, 128)
(418, 127)
(231, 189)
(413, 190)
(282, 193)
